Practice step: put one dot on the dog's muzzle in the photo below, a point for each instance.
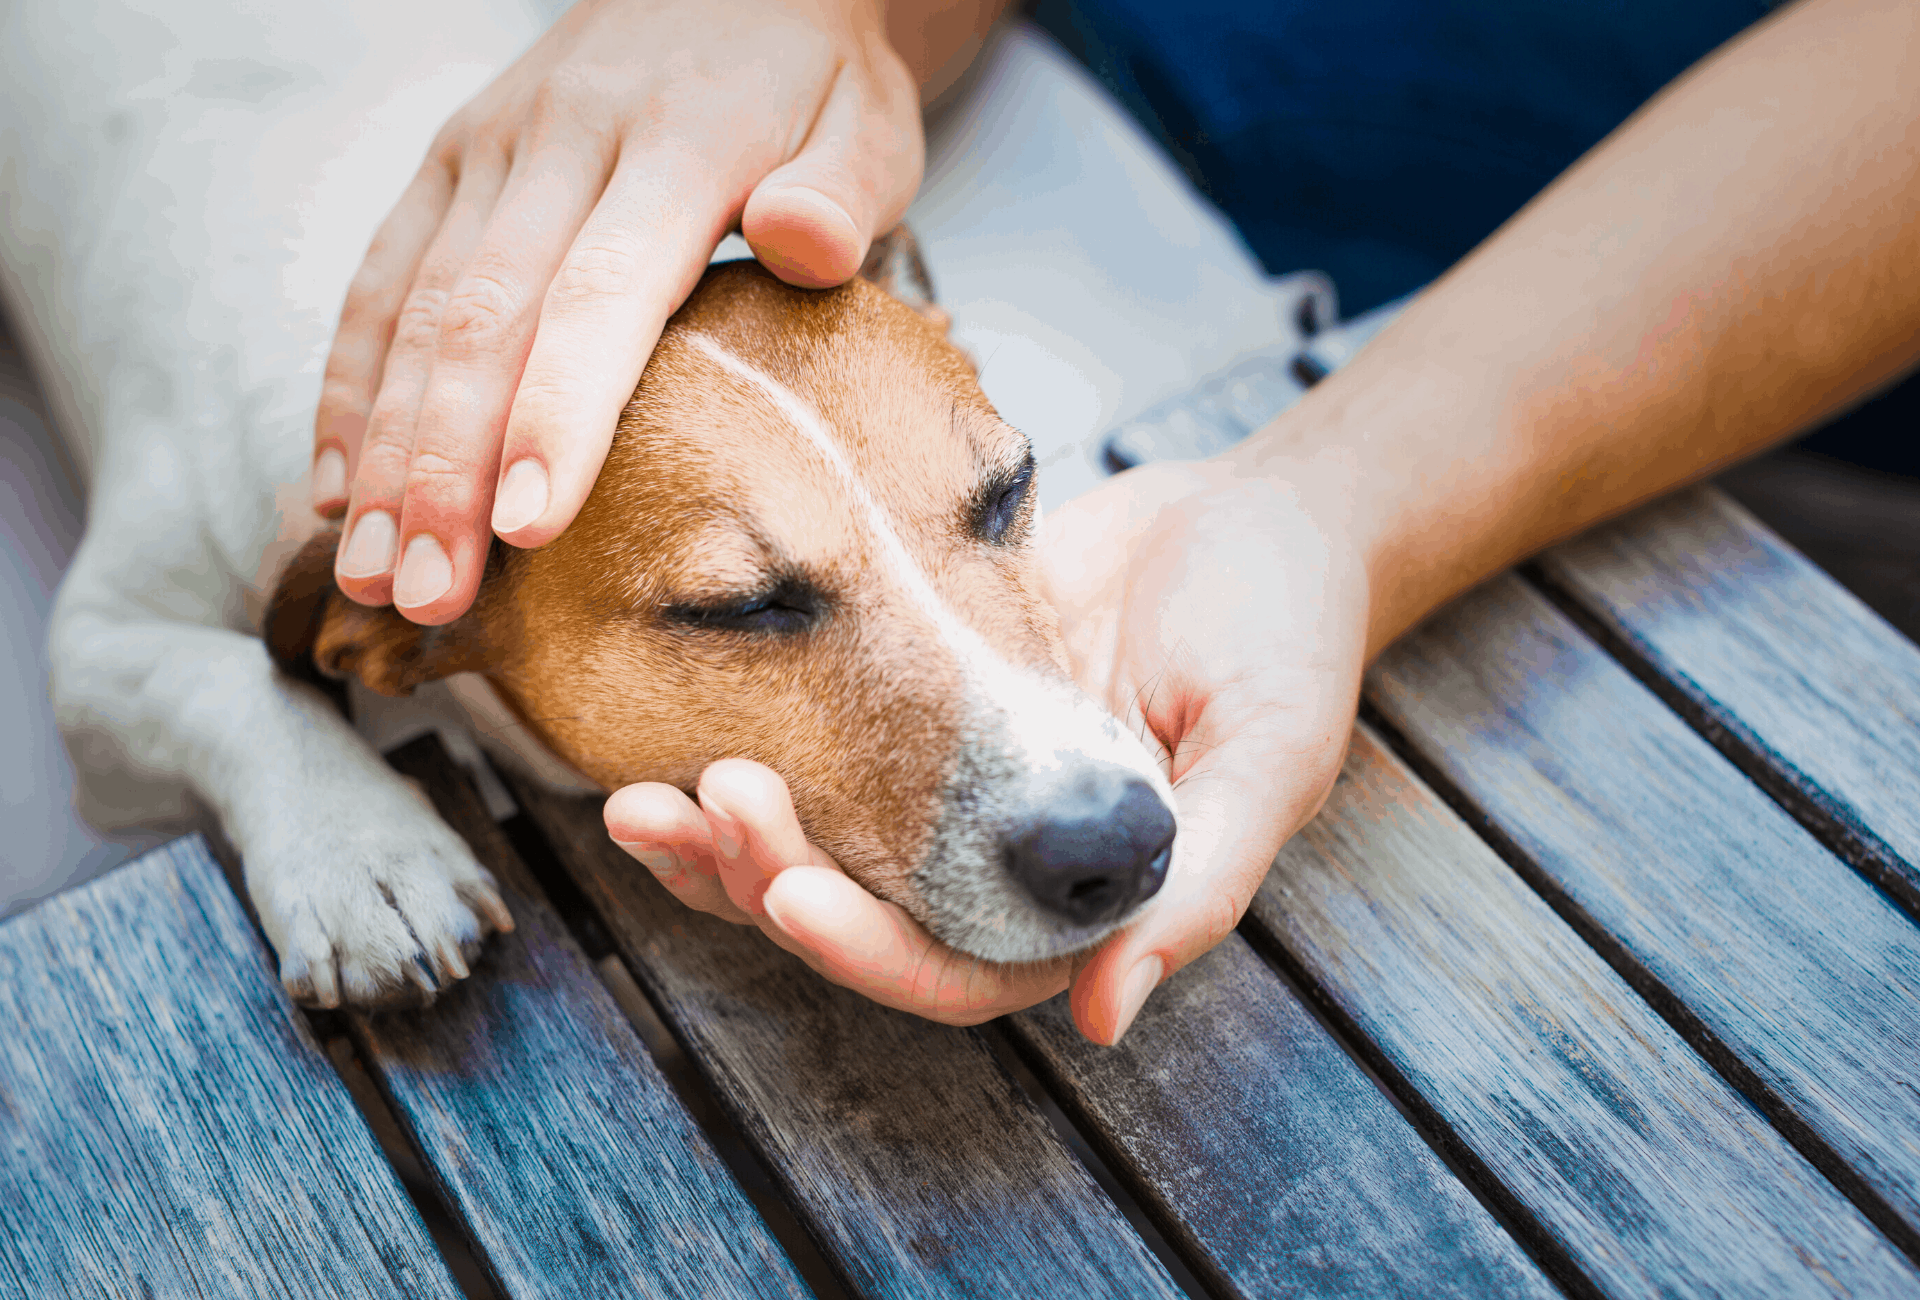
(1095, 846)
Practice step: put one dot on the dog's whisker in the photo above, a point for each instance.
(504, 728)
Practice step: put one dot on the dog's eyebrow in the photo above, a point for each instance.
(999, 449)
(749, 561)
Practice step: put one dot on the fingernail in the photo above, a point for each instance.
(654, 859)
(329, 477)
(523, 496)
(1141, 981)
(813, 198)
(426, 573)
(370, 549)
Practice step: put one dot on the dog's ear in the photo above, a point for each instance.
(316, 634)
(894, 264)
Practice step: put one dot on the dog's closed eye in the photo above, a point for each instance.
(997, 509)
(784, 608)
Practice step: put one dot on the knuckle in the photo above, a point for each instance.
(370, 284)
(383, 462)
(540, 399)
(441, 481)
(595, 272)
(431, 466)
(389, 443)
(418, 325)
(478, 314)
(1221, 916)
(554, 100)
(387, 428)
(342, 394)
(451, 143)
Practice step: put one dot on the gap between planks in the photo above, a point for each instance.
(1423, 1118)
(544, 859)
(1782, 718)
(590, 930)
(584, 924)
(1664, 1002)
(1797, 795)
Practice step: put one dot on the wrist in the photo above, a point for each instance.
(1387, 457)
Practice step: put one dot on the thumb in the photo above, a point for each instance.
(1234, 816)
(810, 220)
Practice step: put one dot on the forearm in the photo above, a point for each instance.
(1739, 259)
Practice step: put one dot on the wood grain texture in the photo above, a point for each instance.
(1592, 1118)
(168, 1126)
(1263, 1152)
(912, 1157)
(1813, 693)
(550, 1129)
(1773, 955)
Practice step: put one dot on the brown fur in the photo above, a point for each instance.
(707, 490)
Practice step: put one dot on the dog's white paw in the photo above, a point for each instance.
(385, 913)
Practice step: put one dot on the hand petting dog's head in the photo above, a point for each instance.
(811, 545)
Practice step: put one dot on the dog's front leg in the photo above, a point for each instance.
(366, 895)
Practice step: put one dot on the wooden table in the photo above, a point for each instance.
(1599, 975)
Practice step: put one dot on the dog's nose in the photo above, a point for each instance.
(1097, 847)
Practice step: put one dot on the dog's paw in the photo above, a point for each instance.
(386, 915)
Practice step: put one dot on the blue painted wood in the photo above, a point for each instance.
(1264, 1153)
(550, 1129)
(1590, 1117)
(168, 1127)
(1808, 690)
(911, 1155)
(1796, 976)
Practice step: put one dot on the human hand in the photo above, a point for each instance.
(1222, 616)
(507, 306)
(739, 853)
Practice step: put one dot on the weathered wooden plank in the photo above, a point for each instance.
(1811, 692)
(1262, 1151)
(168, 1126)
(1593, 1121)
(910, 1154)
(1796, 976)
(548, 1126)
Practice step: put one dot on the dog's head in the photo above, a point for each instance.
(811, 545)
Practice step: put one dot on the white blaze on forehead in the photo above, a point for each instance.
(1046, 723)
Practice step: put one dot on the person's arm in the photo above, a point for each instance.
(1740, 258)
(508, 305)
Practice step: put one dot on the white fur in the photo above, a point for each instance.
(188, 189)
(1045, 725)
(1031, 725)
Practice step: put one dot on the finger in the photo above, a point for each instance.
(634, 261)
(484, 335)
(667, 833)
(1233, 821)
(877, 949)
(360, 342)
(369, 544)
(756, 834)
(810, 220)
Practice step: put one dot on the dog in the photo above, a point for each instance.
(810, 545)
(193, 197)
